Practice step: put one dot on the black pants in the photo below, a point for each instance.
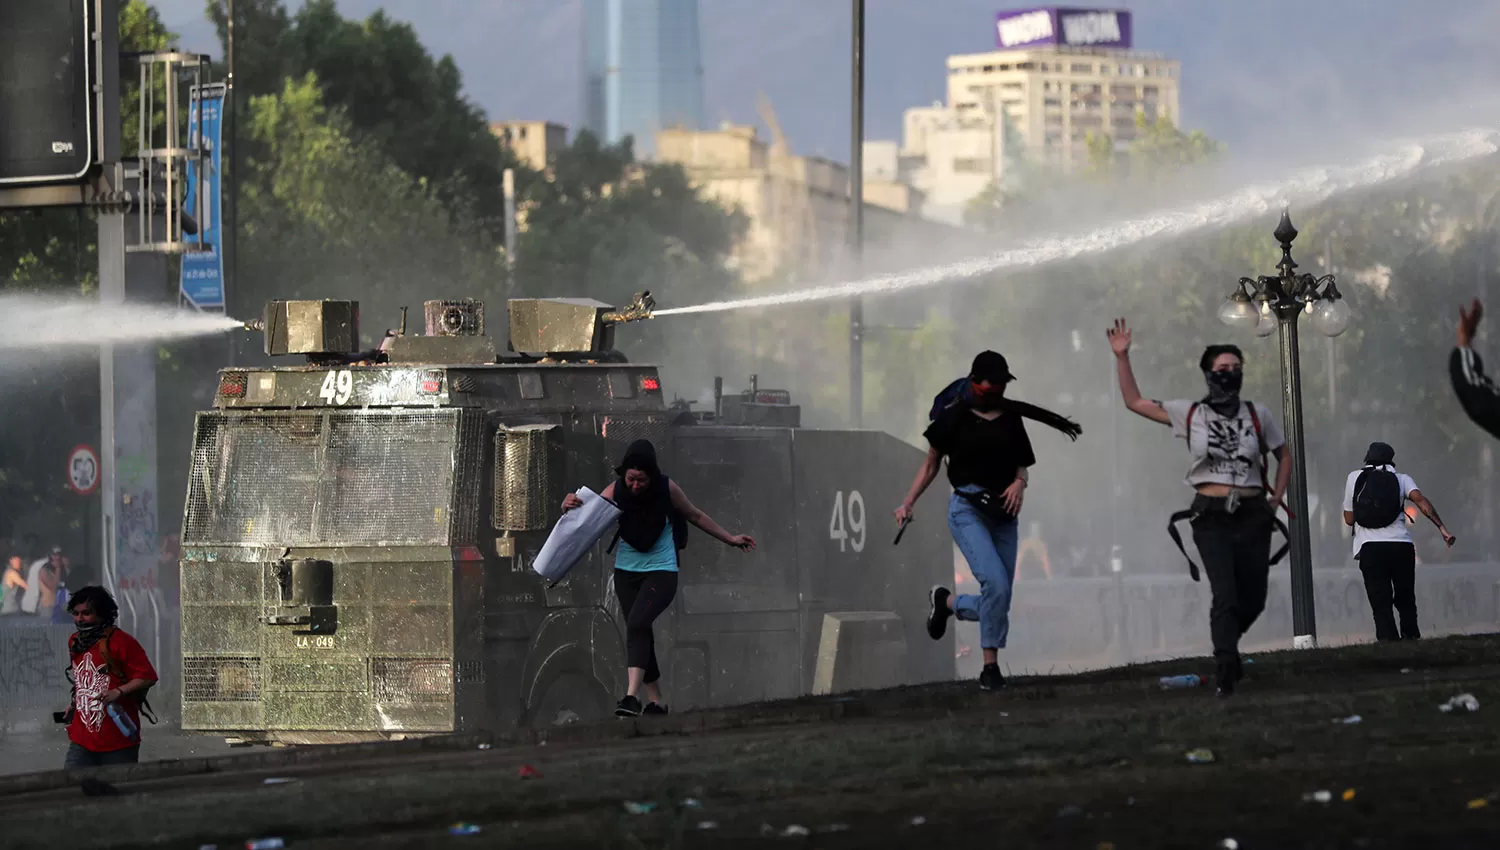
(1390, 570)
(643, 597)
(1236, 552)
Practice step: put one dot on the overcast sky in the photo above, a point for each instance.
(1250, 67)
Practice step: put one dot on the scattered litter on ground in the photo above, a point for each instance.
(1320, 796)
(918, 820)
(795, 830)
(1229, 844)
(1480, 803)
(691, 803)
(463, 829)
(484, 746)
(708, 824)
(208, 847)
(272, 843)
(1173, 683)
(279, 780)
(1350, 720)
(529, 772)
(1461, 703)
(1202, 755)
(1405, 669)
(1349, 795)
(639, 808)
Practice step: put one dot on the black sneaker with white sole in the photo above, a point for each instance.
(654, 708)
(628, 707)
(937, 611)
(990, 678)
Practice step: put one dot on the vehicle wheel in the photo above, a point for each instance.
(570, 698)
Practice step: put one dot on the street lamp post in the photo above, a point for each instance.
(1268, 304)
(857, 214)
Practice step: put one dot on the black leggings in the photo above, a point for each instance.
(643, 597)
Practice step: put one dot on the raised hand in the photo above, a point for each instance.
(1468, 322)
(1119, 338)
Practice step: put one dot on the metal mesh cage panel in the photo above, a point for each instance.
(254, 479)
(523, 477)
(367, 478)
(412, 681)
(624, 430)
(390, 478)
(221, 679)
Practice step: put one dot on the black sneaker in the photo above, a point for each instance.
(937, 611)
(1226, 675)
(654, 708)
(628, 707)
(990, 678)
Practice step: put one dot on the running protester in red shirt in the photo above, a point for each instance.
(108, 667)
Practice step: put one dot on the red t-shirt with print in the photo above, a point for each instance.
(92, 728)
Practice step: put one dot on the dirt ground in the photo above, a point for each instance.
(1096, 760)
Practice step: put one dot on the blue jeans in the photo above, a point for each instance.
(80, 757)
(990, 549)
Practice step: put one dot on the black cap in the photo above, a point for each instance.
(1379, 454)
(991, 366)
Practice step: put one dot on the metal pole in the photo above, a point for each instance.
(229, 238)
(111, 250)
(1304, 626)
(857, 219)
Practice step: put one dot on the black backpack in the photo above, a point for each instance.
(1377, 498)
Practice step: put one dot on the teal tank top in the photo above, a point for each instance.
(663, 556)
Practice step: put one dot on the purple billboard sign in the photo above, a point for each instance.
(1054, 25)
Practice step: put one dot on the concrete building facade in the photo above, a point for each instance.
(531, 141)
(798, 206)
(1056, 76)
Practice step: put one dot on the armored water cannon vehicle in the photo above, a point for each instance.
(360, 527)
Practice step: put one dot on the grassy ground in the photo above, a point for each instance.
(1091, 761)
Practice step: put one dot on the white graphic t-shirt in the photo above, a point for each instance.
(1224, 450)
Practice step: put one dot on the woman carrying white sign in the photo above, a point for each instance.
(654, 513)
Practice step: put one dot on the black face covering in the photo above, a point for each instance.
(88, 636)
(1224, 390)
(644, 515)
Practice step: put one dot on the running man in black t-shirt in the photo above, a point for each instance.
(988, 456)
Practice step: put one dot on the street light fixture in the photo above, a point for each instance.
(1268, 304)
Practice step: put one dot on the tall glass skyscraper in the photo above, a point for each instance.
(642, 69)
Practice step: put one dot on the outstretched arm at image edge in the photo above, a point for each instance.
(1477, 394)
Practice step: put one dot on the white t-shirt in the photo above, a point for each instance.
(1396, 532)
(1225, 450)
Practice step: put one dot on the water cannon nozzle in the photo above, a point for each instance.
(635, 311)
(255, 325)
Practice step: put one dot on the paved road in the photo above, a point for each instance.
(32, 748)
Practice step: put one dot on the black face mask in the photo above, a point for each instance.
(1224, 386)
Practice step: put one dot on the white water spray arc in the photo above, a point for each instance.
(1309, 186)
(33, 321)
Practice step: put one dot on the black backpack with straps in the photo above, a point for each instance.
(1377, 498)
(1191, 513)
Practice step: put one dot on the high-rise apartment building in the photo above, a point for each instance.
(1056, 76)
(643, 69)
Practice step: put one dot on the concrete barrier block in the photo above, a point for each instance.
(859, 650)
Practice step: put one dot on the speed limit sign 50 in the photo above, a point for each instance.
(83, 470)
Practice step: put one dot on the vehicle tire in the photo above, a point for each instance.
(569, 698)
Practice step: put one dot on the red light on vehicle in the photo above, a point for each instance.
(432, 382)
(651, 385)
(233, 384)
